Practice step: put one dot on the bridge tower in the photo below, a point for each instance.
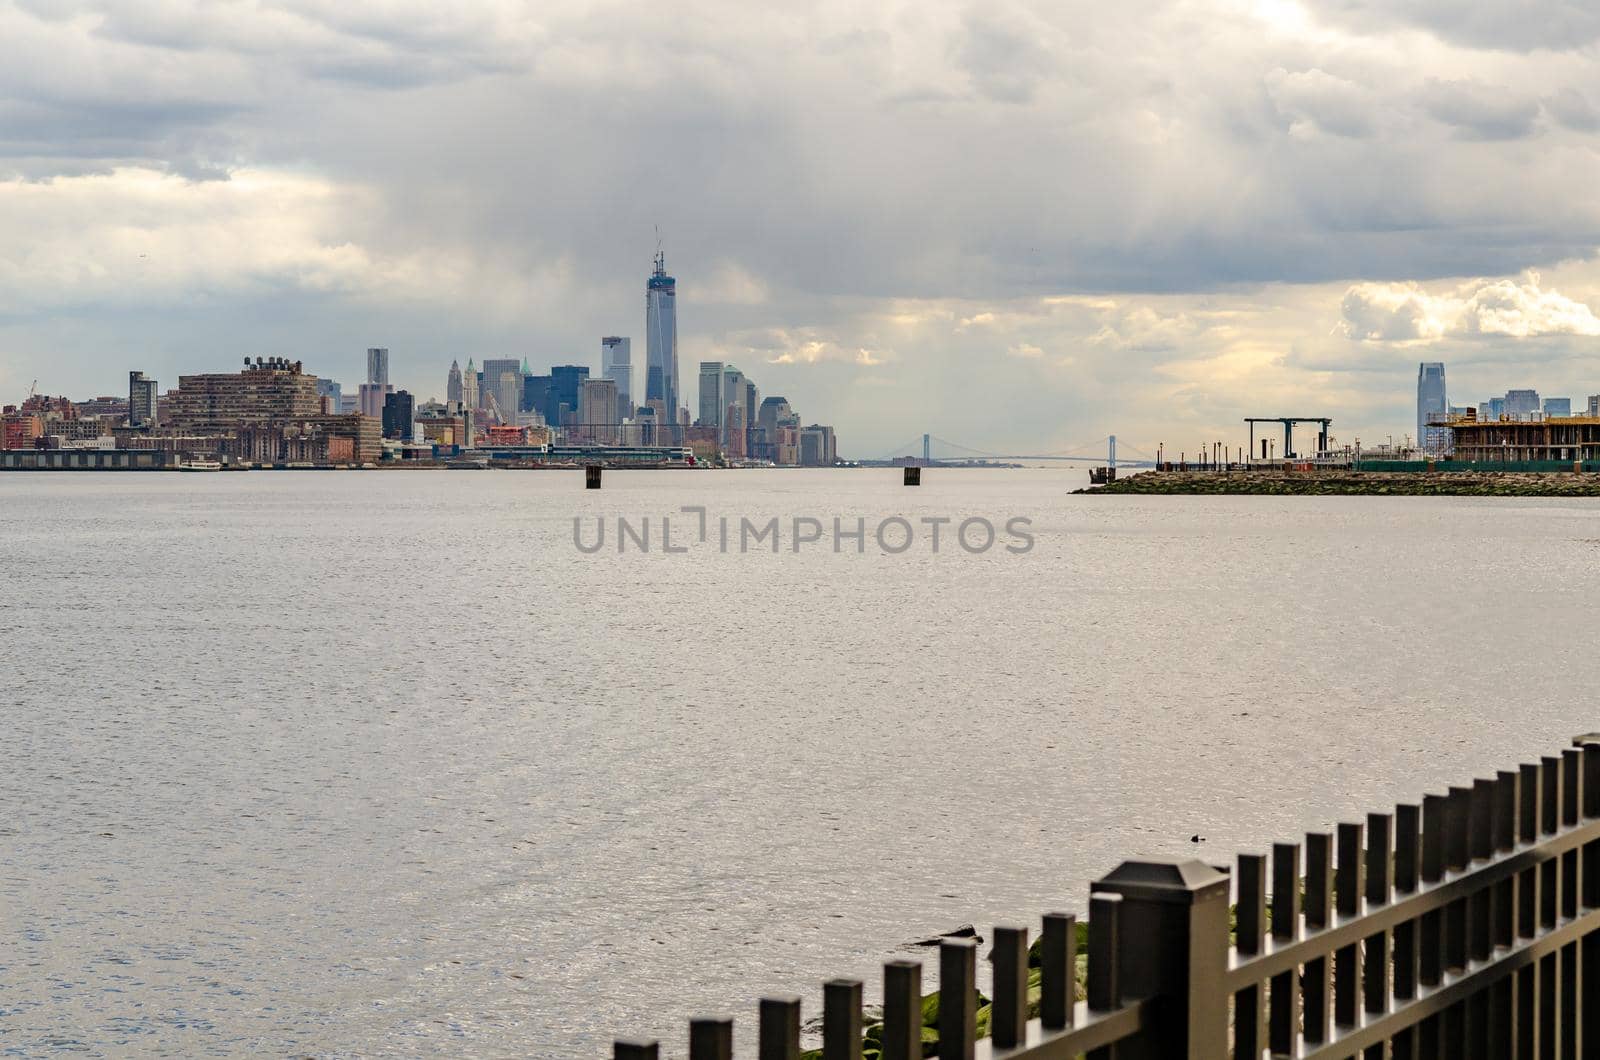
(927, 449)
(1111, 460)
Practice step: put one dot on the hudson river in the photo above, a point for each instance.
(379, 764)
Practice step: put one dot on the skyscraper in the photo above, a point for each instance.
(712, 402)
(378, 365)
(372, 397)
(502, 377)
(733, 430)
(471, 397)
(328, 388)
(661, 340)
(565, 382)
(597, 410)
(452, 386)
(616, 363)
(536, 394)
(1431, 400)
(1521, 404)
(141, 400)
(398, 411)
(752, 403)
(773, 410)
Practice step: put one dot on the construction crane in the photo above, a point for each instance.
(33, 388)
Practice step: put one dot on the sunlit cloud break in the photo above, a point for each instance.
(1407, 313)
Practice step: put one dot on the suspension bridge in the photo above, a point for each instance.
(931, 449)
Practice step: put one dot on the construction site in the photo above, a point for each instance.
(1467, 456)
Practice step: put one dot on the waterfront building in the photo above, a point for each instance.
(141, 400)
(321, 440)
(82, 429)
(786, 444)
(471, 396)
(817, 447)
(270, 389)
(1557, 407)
(270, 412)
(1432, 405)
(1594, 404)
(702, 442)
(661, 340)
(19, 430)
(378, 366)
(712, 401)
(398, 411)
(452, 385)
(616, 364)
(445, 428)
(1564, 439)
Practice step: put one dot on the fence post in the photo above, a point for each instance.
(711, 1038)
(1173, 945)
(779, 1034)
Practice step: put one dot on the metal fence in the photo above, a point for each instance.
(1464, 927)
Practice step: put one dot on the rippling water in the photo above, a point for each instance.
(364, 764)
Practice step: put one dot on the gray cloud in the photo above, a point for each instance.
(1003, 52)
(1480, 112)
(1513, 25)
(1572, 109)
(1332, 104)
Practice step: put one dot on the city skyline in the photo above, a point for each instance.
(1193, 212)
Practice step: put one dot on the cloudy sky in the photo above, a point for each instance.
(1016, 225)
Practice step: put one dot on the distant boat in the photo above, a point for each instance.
(200, 465)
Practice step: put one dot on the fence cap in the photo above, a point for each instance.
(1586, 739)
(1165, 880)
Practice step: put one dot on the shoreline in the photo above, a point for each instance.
(1355, 483)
